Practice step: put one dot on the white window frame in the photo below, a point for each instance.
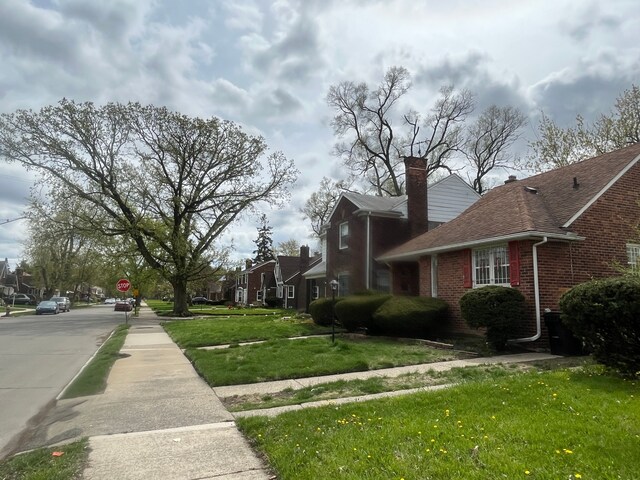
(490, 266)
(315, 292)
(633, 256)
(291, 291)
(258, 295)
(343, 234)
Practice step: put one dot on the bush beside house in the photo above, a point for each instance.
(496, 308)
(356, 312)
(321, 311)
(413, 317)
(605, 315)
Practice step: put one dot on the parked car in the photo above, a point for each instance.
(19, 299)
(201, 301)
(109, 301)
(63, 302)
(123, 306)
(47, 306)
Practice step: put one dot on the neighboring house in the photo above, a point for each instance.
(280, 278)
(541, 235)
(5, 287)
(362, 227)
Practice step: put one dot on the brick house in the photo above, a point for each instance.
(280, 278)
(541, 235)
(362, 227)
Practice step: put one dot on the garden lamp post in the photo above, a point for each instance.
(334, 288)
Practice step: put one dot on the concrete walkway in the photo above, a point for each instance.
(159, 419)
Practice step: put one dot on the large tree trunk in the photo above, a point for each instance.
(180, 300)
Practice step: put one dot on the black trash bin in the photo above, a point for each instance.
(561, 339)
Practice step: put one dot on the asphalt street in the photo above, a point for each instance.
(39, 356)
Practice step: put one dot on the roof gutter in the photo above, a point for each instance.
(415, 255)
(536, 289)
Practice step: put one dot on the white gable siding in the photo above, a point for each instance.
(448, 198)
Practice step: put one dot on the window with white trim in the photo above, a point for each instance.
(344, 235)
(291, 291)
(259, 296)
(633, 256)
(315, 292)
(491, 266)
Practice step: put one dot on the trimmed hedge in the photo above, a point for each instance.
(413, 317)
(321, 311)
(356, 311)
(274, 302)
(496, 308)
(605, 315)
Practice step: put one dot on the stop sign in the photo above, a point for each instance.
(123, 285)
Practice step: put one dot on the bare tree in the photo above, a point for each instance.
(170, 183)
(319, 205)
(488, 141)
(375, 147)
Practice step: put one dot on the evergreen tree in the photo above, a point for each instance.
(264, 242)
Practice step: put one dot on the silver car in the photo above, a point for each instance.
(63, 303)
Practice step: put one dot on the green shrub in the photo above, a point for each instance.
(356, 311)
(415, 317)
(605, 315)
(321, 311)
(496, 308)
(274, 302)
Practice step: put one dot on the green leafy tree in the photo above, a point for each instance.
(170, 183)
(556, 146)
(264, 242)
(289, 248)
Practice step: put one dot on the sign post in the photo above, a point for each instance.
(123, 285)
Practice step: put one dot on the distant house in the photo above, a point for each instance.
(278, 278)
(363, 227)
(541, 235)
(5, 288)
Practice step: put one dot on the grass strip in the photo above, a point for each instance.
(282, 359)
(41, 464)
(225, 331)
(93, 378)
(354, 388)
(569, 424)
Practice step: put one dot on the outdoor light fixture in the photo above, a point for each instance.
(334, 288)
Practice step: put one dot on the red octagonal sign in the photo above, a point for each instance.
(123, 285)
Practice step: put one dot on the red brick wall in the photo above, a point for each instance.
(607, 226)
(385, 233)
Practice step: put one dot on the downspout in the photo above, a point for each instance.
(536, 294)
(368, 253)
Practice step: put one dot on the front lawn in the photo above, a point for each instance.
(568, 424)
(225, 331)
(282, 359)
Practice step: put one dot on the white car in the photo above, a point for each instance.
(109, 301)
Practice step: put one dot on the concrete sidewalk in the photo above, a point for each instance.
(158, 419)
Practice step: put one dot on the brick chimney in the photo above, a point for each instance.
(304, 258)
(416, 183)
(248, 264)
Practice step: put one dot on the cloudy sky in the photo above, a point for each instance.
(267, 65)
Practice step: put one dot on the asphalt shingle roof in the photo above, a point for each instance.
(544, 203)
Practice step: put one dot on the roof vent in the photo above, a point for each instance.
(531, 190)
(512, 178)
(575, 182)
